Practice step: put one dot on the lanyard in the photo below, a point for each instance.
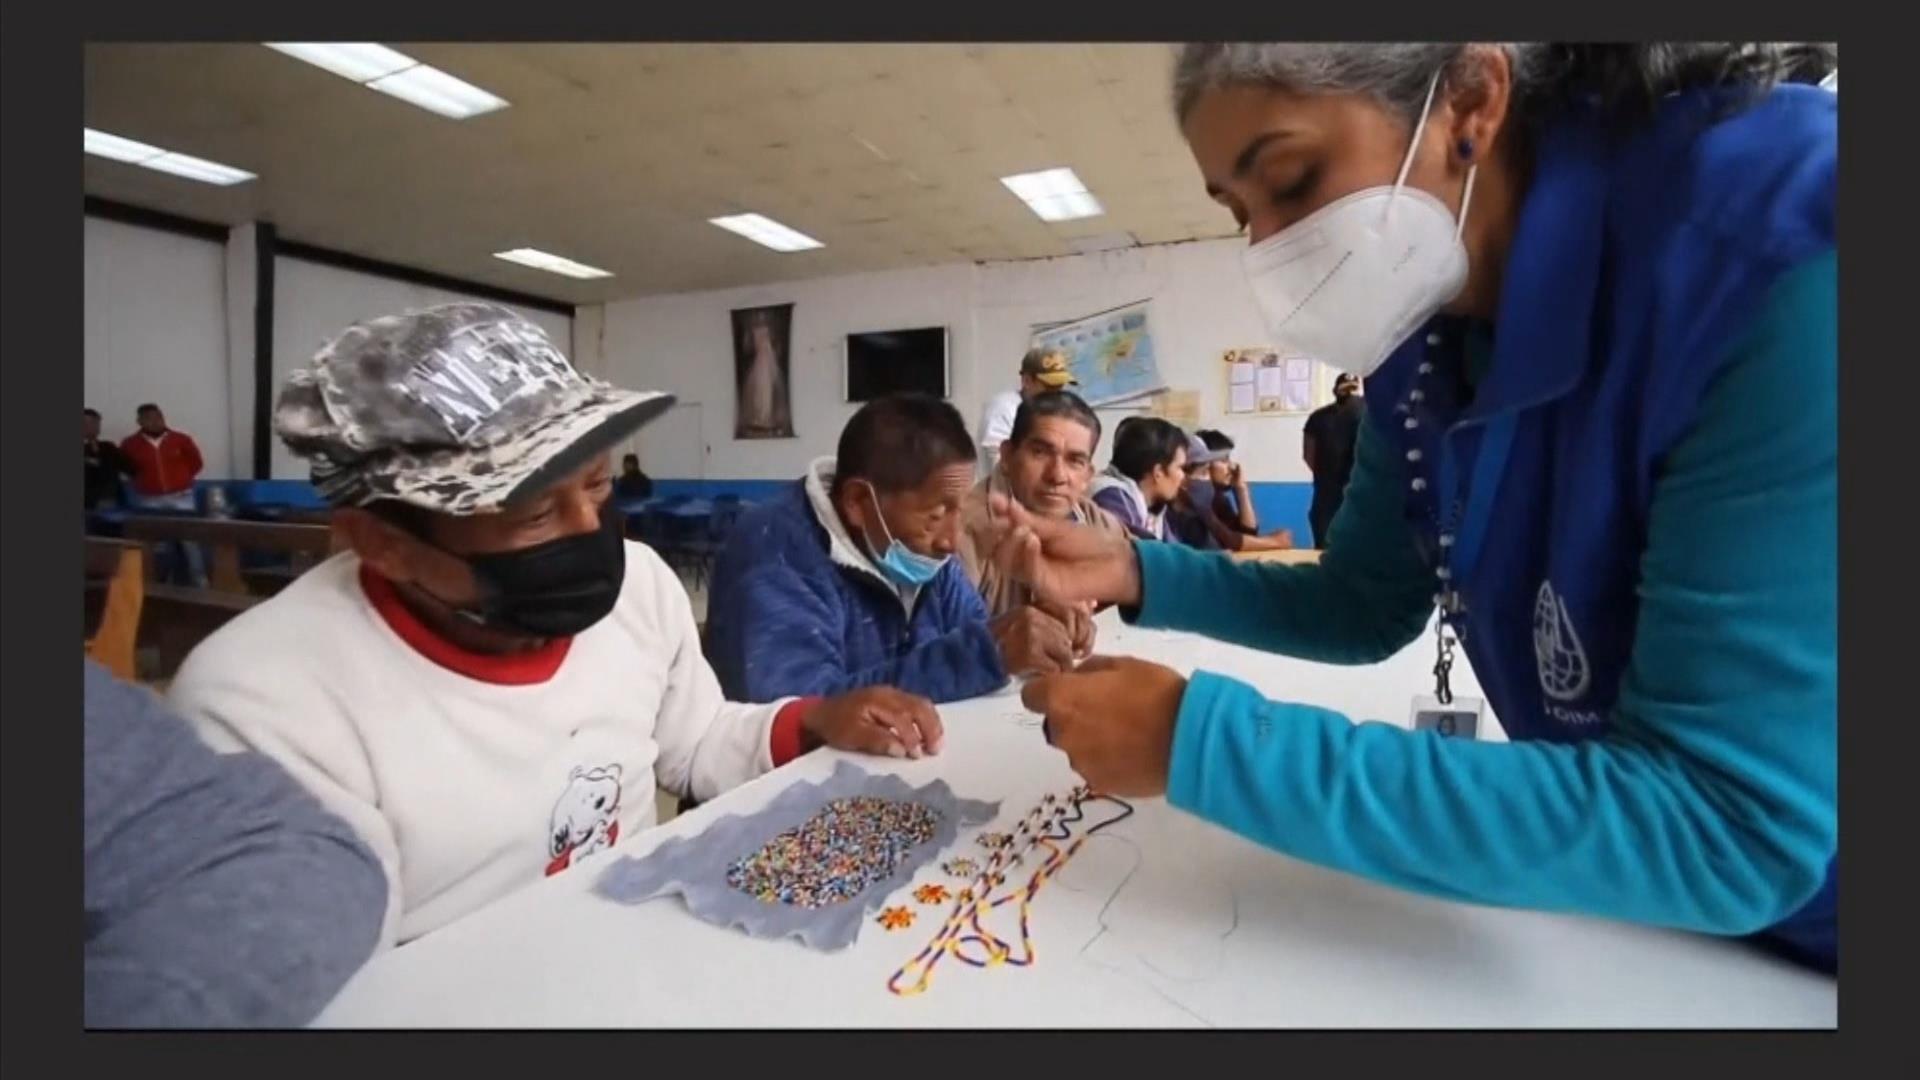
(1468, 529)
(1463, 532)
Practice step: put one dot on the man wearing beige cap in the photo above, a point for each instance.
(1040, 370)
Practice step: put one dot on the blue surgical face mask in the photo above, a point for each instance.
(1201, 490)
(902, 566)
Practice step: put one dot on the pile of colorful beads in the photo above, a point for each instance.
(836, 854)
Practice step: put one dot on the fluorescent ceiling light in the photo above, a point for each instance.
(115, 148)
(358, 61)
(193, 168)
(1054, 194)
(436, 91)
(767, 232)
(392, 72)
(541, 260)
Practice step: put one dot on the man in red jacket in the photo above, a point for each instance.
(165, 464)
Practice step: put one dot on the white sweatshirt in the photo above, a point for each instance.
(473, 776)
(996, 426)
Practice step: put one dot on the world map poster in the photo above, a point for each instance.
(1111, 354)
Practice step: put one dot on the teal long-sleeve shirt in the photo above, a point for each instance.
(1712, 804)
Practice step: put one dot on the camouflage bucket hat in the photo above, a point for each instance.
(462, 409)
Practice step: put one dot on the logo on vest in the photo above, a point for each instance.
(1564, 672)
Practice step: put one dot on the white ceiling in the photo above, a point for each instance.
(616, 155)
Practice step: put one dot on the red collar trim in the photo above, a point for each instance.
(502, 669)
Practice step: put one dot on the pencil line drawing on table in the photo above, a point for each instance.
(1135, 933)
(1044, 827)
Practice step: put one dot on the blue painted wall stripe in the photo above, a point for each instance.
(1279, 504)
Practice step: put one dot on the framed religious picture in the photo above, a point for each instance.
(761, 370)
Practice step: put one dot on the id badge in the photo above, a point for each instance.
(1460, 719)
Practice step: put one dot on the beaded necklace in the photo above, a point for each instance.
(1046, 827)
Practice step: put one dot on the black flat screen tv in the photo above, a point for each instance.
(886, 362)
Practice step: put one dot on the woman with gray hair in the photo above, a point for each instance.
(1591, 289)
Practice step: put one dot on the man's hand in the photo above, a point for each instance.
(876, 720)
(1033, 642)
(1115, 719)
(1078, 619)
(1064, 562)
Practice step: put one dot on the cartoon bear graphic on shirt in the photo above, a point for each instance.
(587, 817)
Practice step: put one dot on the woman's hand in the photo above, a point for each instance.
(1066, 563)
(1114, 718)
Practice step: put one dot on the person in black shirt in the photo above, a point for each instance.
(1328, 448)
(105, 463)
(632, 483)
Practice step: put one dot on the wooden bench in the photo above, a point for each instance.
(186, 595)
(225, 540)
(294, 516)
(180, 617)
(116, 572)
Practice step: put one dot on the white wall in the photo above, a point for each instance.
(589, 338)
(1201, 307)
(155, 329)
(169, 319)
(313, 302)
(243, 300)
(681, 343)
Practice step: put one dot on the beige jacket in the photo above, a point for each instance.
(1001, 593)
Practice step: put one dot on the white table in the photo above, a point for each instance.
(1160, 921)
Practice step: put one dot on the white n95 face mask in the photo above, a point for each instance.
(1348, 283)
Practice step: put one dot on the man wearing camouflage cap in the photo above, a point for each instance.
(1041, 370)
(488, 685)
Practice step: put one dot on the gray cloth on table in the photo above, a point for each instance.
(217, 893)
(696, 867)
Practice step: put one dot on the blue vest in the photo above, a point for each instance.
(1639, 260)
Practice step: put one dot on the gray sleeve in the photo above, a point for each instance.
(218, 893)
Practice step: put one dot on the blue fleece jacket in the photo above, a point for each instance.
(797, 610)
(1665, 524)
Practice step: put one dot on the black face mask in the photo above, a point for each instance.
(555, 589)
